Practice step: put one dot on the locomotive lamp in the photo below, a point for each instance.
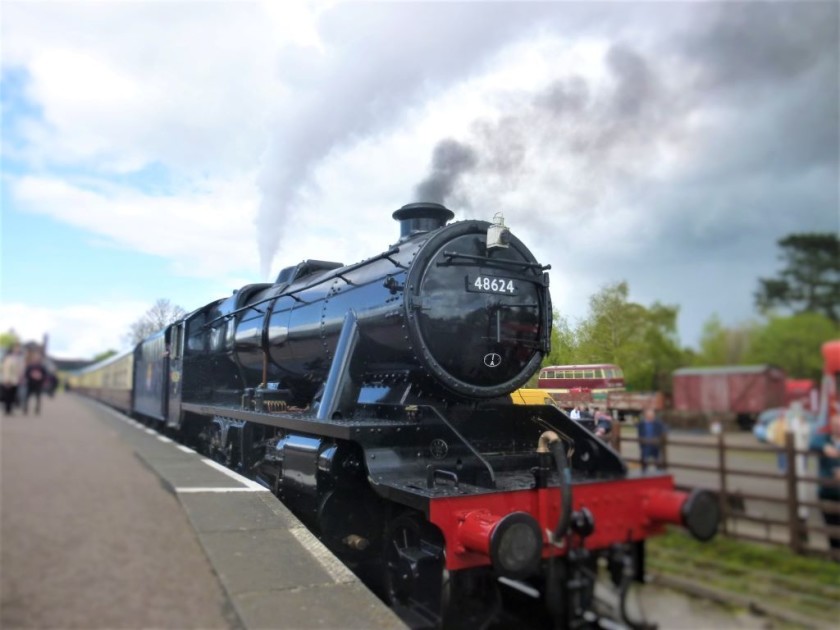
(497, 234)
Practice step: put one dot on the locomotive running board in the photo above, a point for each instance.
(301, 421)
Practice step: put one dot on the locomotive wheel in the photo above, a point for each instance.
(219, 452)
(414, 568)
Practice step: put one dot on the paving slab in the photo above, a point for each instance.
(190, 472)
(322, 606)
(275, 572)
(262, 559)
(241, 511)
(89, 538)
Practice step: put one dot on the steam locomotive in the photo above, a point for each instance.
(374, 400)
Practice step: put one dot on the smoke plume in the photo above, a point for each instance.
(450, 160)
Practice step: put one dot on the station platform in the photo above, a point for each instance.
(104, 523)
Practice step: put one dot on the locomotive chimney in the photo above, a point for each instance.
(416, 218)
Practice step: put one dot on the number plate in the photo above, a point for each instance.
(491, 284)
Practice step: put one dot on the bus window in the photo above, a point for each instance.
(596, 377)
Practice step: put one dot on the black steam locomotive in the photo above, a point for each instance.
(373, 399)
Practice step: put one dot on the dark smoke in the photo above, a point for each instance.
(635, 83)
(450, 160)
(378, 57)
(598, 130)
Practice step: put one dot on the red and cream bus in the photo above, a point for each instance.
(597, 379)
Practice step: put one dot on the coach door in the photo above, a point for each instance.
(176, 365)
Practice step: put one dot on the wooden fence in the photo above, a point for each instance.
(771, 506)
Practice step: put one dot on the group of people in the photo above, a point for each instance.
(651, 431)
(24, 376)
(601, 420)
(826, 444)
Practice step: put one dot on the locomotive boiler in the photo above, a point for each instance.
(373, 399)
(440, 310)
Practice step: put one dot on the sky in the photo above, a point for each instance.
(179, 150)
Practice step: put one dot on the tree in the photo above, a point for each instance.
(8, 339)
(162, 313)
(721, 345)
(643, 341)
(793, 343)
(104, 355)
(810, 280)
(563, 343)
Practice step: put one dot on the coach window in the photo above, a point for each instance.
(589, 374)
(175, 344)
(172, 346)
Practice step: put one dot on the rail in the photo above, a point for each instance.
(766, 493)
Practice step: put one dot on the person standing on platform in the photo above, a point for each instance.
(651, 434)
(603, 423)
(828, 446)
(575, 413)
(11, 371)
(36, 377)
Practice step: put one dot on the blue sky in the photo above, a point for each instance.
(182, 149)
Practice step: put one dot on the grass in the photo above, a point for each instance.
(767, 574)
(746, 555)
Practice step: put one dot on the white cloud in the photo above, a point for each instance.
(205, 231)
(360, 97)
(123, 85)
(75, 331)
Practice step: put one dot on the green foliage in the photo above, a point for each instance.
(810, 279)
(563, 343)
(721, 345)
(643, 341)
(793, 343)
(8, 339)
(104, 355)
(767, 558)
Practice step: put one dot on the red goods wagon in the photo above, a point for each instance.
(742, 390)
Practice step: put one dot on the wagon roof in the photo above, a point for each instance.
(726, 369)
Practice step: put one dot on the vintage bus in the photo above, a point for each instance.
(597, 379)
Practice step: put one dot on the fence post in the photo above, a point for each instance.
(792, 499)
(724, 503)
